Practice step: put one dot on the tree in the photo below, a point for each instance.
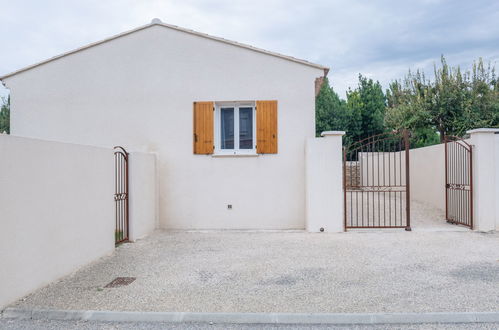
(5, 115)
(361, 115)
(330, 114)
(450, 105)
(366, 106)
(482, 106)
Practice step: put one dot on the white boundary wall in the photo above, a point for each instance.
(427, 175)
(373, 164)
(56, 211)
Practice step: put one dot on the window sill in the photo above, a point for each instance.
(234, 155)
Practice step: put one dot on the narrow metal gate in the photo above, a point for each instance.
(458, 181)
(121, 194)
(376, 182)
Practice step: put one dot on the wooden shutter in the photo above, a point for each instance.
(266, 126)
(203, 128)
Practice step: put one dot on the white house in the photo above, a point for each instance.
(227, 121)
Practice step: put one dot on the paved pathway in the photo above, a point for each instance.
(289, 272)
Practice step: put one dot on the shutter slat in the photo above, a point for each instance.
(266, 118)
(203, 128)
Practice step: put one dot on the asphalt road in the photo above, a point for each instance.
(6, 324)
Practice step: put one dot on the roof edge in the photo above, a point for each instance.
(174, 27)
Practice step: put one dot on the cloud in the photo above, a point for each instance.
(382, 39)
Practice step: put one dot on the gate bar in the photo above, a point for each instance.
(407, 181)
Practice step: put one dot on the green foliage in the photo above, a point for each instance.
(330, 111)
(361, 115)
(5, 115)
(366, 106)
(451, 104)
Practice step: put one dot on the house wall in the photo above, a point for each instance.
(143, 194)
(56, 211)
(137, 91)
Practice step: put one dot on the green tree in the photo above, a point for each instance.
(450, 105)
(354, 114)
(407, 109)
(330, 111)
(5, 115)
(366, 106)
(482, 105)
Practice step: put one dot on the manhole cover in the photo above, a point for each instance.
(120, 281)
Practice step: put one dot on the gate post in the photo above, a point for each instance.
(485, 170)
(323, 183)
(407, 147)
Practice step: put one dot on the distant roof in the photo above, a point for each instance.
(174, 27)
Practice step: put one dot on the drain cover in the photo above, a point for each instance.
(120, 281)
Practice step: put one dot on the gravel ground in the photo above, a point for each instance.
(83, 325)
(377, 208)
(350, 272)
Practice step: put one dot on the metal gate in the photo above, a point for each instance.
(458, 181)
(121, 194)
(376, 182)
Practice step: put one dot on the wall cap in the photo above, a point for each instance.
(483, 130)
(333, 133)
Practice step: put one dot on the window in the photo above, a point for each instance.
(235, 129)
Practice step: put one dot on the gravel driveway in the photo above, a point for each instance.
(288, 272)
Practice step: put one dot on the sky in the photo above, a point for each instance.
(381, 39)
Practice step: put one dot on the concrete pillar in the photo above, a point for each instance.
(324, 188)
(485, 170)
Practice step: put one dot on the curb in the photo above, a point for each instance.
(254, 318)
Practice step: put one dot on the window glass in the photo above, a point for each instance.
(227, 128)
(245, 128)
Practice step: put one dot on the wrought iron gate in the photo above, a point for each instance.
(458, 181)
(121, 194)
(376, 182)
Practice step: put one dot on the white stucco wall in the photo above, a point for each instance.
(426, 170)
(427, 174)
(56, 211)
(143, 194)
(324, 190)
(382, 168)
(485, 172)
(137, 91)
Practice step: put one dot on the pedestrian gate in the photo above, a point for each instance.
(121, 194)
(458, 181)
(376, 182)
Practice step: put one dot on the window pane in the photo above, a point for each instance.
(227, 128)
(245, 128)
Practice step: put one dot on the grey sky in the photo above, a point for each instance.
(380, 39)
